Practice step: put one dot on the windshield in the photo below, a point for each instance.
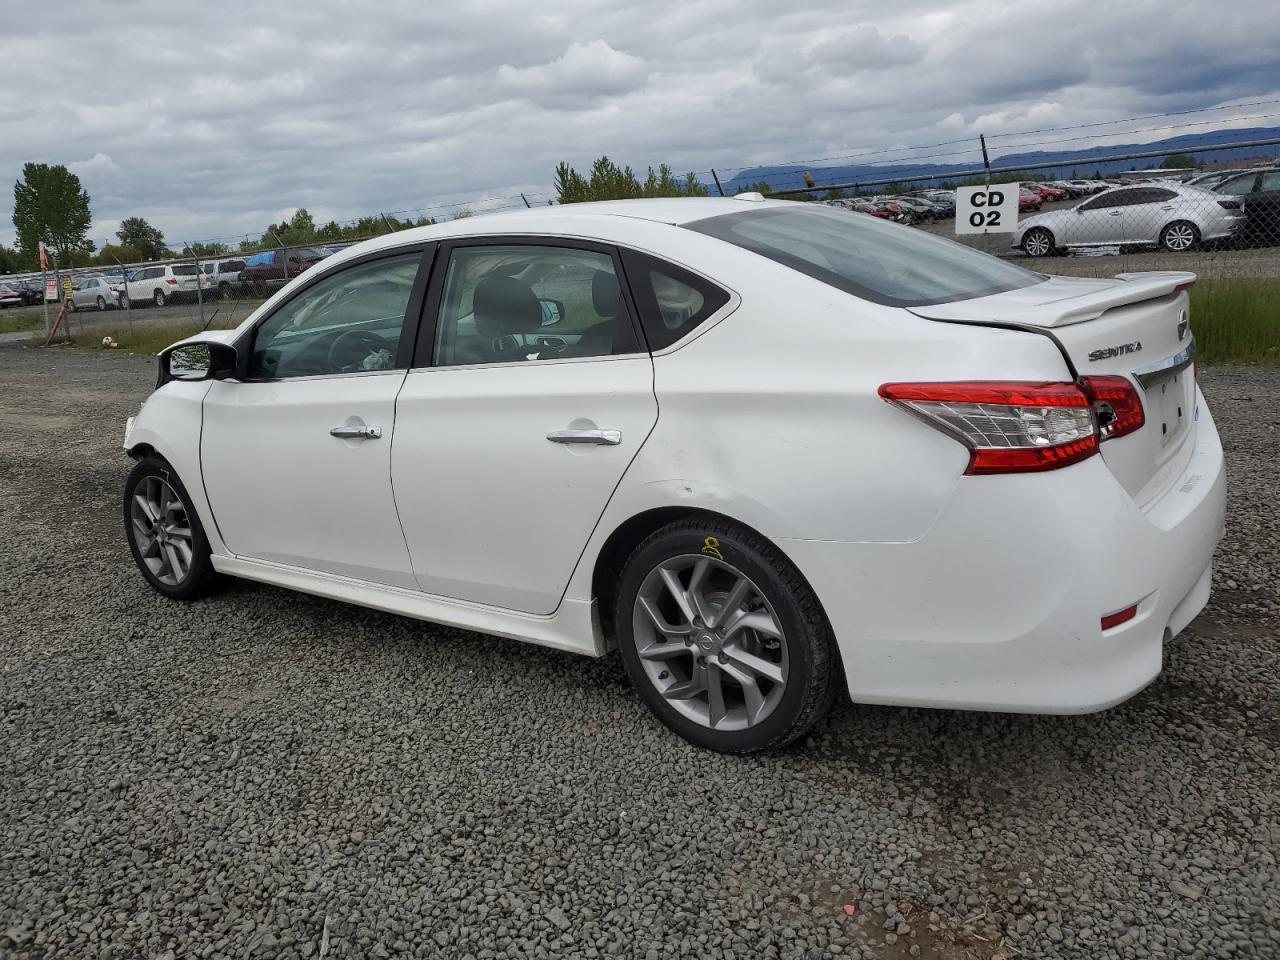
(881, 262)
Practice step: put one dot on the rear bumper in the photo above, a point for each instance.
(998, 606)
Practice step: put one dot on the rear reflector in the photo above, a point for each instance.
(1008, 426)
(1119, 617)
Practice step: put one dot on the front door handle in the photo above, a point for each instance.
(610, 437)
(356, 433)
(1116, 213)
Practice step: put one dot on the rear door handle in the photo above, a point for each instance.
(356, 433)
(1116, 213)
(609, 437)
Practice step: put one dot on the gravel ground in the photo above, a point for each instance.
(265, 774)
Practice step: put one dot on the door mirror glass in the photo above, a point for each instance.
(202, 360)
(190, 362)
(552, 312)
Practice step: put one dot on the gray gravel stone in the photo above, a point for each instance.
(265, 771)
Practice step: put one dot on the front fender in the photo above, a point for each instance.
(169, 423)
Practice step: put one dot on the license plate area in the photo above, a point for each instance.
(1169, 406)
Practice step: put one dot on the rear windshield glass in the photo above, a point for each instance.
(185, 270)
(885, 263)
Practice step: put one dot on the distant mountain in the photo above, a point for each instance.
(1081, 161)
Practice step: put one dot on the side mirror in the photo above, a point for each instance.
(199, 360)
(552, 312)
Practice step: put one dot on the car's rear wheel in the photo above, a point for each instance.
(1179, 236)
(224, 290)
(124, 302)
(165, 536)
(722, 638)
(71, 304)
(101, 302)
(1038, 242)
(158, 298)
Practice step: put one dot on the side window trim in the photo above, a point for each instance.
(409, 330)
(424, 349)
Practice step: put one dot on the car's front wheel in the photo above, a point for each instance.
(71, 304)
(1037, 242)
(723, 639)
(101, 303)
(1179, 236)
(165, 535)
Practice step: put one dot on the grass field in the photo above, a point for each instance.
(20, 321)
(1236, 321)
(144, 339)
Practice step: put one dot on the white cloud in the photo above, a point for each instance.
(209, 131)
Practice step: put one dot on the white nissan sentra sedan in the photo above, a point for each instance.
(753, 445)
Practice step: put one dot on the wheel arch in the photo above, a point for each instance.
(630, 533)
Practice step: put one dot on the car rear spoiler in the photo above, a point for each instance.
(1064, 305)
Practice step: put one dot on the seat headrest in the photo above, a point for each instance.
(504, 305)
(606, 295)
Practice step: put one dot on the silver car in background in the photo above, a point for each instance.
(1169, 215)
(93, 293)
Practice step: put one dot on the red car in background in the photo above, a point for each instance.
(1029, 200)
(1047, 193)
(874, 210)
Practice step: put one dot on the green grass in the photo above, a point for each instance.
(1237, 321)
(20, 321)
(144, 339)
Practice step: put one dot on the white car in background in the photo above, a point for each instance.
(1168, 215)
(160, 284)
(757, 446)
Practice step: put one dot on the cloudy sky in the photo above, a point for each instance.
(215, 119)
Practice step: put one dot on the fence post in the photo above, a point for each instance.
(199, 285)
(525, 199)
(285, 258)
(986, 162)
(717, 180)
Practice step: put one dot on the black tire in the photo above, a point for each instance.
(224, 290)
(1174, 237)
(71, 305)
(124, 302)
(102, 303)
(158, 298)
(200, 577)
(814, 666)
(1040, 240)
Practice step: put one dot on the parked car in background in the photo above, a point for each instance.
(9, 297)
(31, 292)
(892, 208)
(224, 275)
(862, 206)
(1047, 193)
(1029, 200)
(870, 535)
(158, 285)
(1259, 191)
(1175, 217)
(95, 292)
(274, 268)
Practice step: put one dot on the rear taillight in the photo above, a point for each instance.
(1009, 427)
(171, 280)
(1116, 404)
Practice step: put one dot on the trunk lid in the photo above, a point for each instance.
(1135, 326)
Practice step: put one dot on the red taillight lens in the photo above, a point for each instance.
(1009, 427)
(1116, 404)
(172, 280)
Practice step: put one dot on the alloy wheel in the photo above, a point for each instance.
(1179, 236)
(1037, 243)
(161, 529)
(159, 298)
(102, 303)
(710, 642)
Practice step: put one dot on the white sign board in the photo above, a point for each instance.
(992, 209)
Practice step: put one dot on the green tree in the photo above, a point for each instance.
(49, 204)
(10, 262)
(608, 181)
(1180, 161)
(114, 254)
(142, 236)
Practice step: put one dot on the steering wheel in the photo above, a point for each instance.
(356, 345)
